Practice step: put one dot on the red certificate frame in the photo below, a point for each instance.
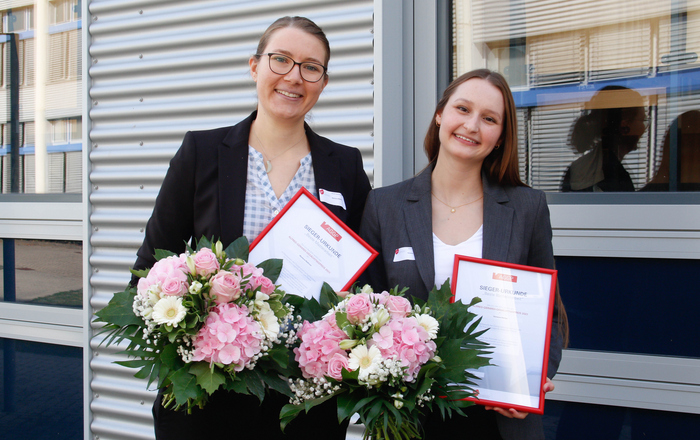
(315, 246)
(517, 307)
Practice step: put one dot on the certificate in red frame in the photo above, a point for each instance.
(516, 308)
(315, 247)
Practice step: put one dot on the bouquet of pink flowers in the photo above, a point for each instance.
(203, 320)
(386, 359)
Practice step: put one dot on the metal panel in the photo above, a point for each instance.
(159, 68)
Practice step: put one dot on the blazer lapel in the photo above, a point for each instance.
(419, 224)
(326, 168)
(498, 222)
(233, 173)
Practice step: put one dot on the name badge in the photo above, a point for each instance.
(332, 198)
(403, 254)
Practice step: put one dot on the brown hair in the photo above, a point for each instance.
(301, 23)
(501, 165)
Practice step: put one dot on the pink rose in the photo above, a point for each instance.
(226, 286)
(174, 286)
(358, 308)
(205, 262)
(398, 306)
(380, 298)
(266, 286)
(336, 365)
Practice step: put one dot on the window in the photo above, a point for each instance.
(60, 69)
(608, 91)
(44, 272)
(18, 20)
(53, 372)
(66, 131)
(63, 11)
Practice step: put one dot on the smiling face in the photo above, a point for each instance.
(472, 121)
(288, 97)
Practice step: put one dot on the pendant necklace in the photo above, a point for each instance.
(453, 209)
(268, 162)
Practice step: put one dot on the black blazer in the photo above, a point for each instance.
(203, 193)
(516, 229)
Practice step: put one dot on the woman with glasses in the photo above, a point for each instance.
(232, 181)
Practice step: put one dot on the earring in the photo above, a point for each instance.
(497, 147)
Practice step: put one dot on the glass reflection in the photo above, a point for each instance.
(41, 63)
(597, 85)
(42, 272)
(679, 169)
(610, 128)
(41, 396)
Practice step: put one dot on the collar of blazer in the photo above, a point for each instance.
(233, 171)
(498, 222)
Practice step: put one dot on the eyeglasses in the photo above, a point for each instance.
(282, 65)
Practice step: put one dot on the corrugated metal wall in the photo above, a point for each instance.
(159, 68)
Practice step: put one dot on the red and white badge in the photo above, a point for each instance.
(332, 198)
(403, 254)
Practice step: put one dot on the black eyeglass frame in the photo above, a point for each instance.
(294, 63)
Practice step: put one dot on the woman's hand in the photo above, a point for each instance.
(515, 414)
(342, 293)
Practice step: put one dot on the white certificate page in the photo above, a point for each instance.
(515, 310)
(314, 249)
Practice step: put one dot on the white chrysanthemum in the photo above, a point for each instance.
(169, 310)
(430, 324)
(269, 323)
(363, 358)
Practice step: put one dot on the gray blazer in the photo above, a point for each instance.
(516, 230)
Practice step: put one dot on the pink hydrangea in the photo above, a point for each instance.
(319, 343)
(229, 336)
(406, 339)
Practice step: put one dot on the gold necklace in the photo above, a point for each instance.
(453, 209)
(268, 162)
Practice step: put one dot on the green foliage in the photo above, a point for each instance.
(188, 385)
(392, 411)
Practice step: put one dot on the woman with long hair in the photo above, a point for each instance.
(469, 201)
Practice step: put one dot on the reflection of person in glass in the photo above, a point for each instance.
(229, 182)
(614, 121)
(470, 201)
(684, 131)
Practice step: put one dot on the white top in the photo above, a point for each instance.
(445, 254)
